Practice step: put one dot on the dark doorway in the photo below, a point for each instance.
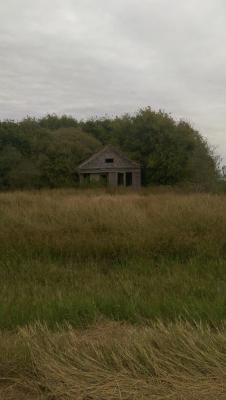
(104, 179)
(86, 178)
(129, 179)
(120, 179)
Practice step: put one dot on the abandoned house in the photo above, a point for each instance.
(110, 167)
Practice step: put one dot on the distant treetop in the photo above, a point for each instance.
(45, 152)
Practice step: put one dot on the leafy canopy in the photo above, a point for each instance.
(46, 152)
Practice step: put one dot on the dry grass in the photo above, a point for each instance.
(98, 225)
(115, 362)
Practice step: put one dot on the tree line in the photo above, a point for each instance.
(46, 152)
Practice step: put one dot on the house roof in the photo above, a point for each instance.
(109, 148)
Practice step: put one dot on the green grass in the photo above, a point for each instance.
(77, 256)
(80, 293)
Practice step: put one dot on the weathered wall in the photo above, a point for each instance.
(113, 179)
(94, 177)
(137, 178)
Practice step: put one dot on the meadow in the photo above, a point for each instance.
(112, 295)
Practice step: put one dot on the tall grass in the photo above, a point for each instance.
(76, 255)
(145, 262)
(137, 291)
(97, 225)
(115, 362)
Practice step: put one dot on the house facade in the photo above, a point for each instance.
(111, 168)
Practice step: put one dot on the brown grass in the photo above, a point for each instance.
(113, 361)
(98, 225)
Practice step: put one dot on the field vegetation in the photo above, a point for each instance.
(112, 361)
(75, 255)
(112, 295)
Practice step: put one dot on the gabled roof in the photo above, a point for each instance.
(111, 149)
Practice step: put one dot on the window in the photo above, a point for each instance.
(109, 160)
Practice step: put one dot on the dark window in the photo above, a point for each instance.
(109, 160)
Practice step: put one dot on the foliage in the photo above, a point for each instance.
(46, 152)
(34, 156)
(169, 152)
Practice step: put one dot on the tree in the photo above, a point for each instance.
(67, 148)
(46, 152)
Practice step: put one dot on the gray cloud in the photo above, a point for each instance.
(91, 57)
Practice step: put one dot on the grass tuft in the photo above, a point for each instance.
(113, 361)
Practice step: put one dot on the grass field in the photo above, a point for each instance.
(136, 266)
(74, 256)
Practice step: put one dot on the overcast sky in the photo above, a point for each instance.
(95, 57)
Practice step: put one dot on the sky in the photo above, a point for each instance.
(96, 57)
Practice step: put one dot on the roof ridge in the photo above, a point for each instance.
(112, 147)
(92, 156)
